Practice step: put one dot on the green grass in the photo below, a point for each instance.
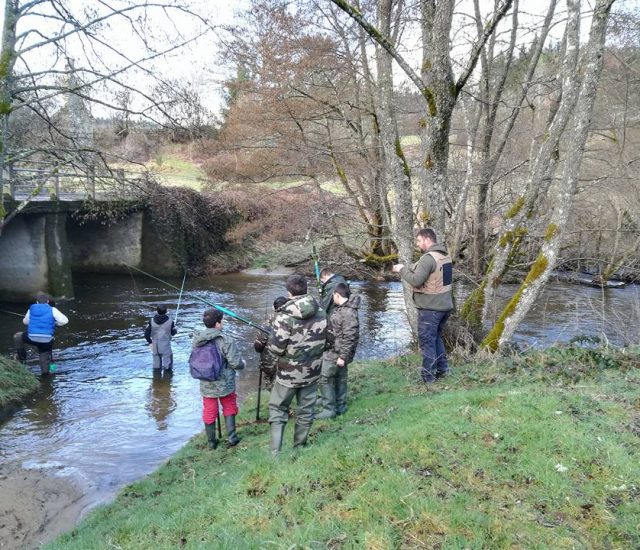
(16, 382)
(538, 451)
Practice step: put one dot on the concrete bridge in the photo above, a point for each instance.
(47, 241)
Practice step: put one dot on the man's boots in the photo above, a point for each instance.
(230, 421)
(341, 395)
(300, 435)
(44, 359)
(327, 399)
(277, 433)
(210, 429)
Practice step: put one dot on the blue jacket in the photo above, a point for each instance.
(41, 322)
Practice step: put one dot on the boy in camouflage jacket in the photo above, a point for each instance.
(343, 334)
(298, 339)
(268, 361)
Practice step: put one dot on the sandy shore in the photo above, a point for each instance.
(36, 506)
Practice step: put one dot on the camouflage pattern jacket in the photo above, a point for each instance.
(268, 360)
(233, 362)
(298, 339)
(343, 331)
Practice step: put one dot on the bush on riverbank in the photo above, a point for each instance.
(511, 453)
(16, 382)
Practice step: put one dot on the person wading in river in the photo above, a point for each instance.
(41, 320)
(158, 334)
(431, 278)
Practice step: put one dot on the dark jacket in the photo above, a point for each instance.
(158, 320)
(343, 331)
(326, 292)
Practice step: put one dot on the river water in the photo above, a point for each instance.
(104, 421)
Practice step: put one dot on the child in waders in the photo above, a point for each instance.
(268, 360)
(158, 334)
(223, 390)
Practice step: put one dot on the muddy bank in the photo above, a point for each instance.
(36, 506)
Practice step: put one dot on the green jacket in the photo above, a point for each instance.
(326, 292)
(343, 332)
(417, 274)
(227, 381)
(298, 339)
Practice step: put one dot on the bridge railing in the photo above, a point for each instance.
(66, 183)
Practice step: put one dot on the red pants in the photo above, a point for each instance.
(210, 407)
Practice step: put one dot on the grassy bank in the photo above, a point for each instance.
(540, 451)
(16, 382)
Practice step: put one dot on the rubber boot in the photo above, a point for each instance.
(44, 358)
(233, 438)
(21, 352)
(277, 433)
(327, 399)
(341, 395)
(210, 429)
(300, 435)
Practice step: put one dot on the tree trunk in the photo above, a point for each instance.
(539, 273)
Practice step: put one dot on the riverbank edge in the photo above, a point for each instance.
(401, 439)
(17, 383)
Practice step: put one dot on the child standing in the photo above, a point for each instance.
(224, 388)
(158, 334)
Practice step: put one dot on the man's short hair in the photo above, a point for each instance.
(279, 302)
(427, 233)
(211, 317)
(161, 309)
(297, 285)
(342, 290)
(42, 298)
(325, 272)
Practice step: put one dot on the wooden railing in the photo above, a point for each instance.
(52, 182)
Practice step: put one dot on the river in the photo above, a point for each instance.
(104, 421)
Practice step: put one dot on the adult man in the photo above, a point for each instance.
(329, 281)
(158, 335)
(343, 333)
(41, 320)
(431, 278)
(298, 339)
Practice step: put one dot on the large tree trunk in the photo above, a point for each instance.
(7, 62)
(539, 273)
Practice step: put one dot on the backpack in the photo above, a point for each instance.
(206, 362)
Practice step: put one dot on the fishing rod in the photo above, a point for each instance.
(175, 320)
(316, 262)
(216, 306)
(11, 313)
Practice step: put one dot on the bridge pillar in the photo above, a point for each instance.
(34, 247)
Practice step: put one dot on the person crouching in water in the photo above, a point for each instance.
(158, 334)
(41, 320)
(268, 361)
(224, 388)
(343, 334)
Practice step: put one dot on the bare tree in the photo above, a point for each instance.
(54, 54)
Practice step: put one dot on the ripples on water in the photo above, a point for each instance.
(104, 420)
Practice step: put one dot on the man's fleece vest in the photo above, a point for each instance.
(440, 280)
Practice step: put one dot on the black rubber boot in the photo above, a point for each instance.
(44, 359)
(210, 429)
(233, 438)
(300, 435)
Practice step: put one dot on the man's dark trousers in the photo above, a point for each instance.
(434, 359)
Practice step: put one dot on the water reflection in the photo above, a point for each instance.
(160, 399)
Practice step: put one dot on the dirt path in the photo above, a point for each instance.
(35, 506)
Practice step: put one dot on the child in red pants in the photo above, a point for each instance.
(224, 388)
